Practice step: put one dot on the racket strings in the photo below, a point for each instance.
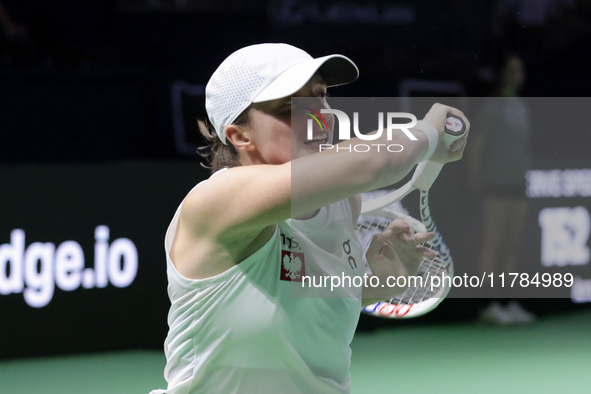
(427, 269)
(424, 290)
(368, 226)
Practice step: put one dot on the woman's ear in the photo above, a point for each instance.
(239, 136)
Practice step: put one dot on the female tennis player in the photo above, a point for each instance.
(273, 212)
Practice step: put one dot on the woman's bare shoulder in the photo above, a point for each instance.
(248, 198)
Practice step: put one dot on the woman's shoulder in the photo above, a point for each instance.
(239, 200)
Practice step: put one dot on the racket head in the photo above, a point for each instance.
(416, 300)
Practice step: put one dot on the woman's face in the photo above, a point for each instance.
(279, 138)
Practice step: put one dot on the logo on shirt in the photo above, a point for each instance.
(293, 265)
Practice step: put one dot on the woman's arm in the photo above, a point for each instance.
(233, 208)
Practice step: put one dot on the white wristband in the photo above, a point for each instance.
(432, 135)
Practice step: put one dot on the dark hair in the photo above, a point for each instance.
(218, 154)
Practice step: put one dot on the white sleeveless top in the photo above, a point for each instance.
(254, 329)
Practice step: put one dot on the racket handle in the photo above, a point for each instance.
(454, 128)
(425, 174)
(427, 171)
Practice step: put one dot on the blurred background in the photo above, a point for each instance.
(98, 108)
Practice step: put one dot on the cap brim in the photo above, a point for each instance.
(335, 69)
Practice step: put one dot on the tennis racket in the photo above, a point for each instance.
(423, 296)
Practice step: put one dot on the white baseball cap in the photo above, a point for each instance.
(266, 72)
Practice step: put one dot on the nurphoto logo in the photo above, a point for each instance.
(345, 129)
